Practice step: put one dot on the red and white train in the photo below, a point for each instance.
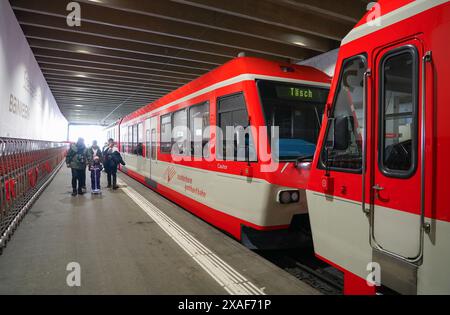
(377, 193)
(239, 194)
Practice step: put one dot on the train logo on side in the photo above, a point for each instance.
(170, 173)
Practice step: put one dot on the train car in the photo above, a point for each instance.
(239, 183)
(377, 190)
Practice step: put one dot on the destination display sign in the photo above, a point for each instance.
(302, 93)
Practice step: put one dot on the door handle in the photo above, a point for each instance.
(377, 187)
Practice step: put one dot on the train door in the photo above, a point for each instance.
(395, 169)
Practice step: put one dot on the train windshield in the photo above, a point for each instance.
(297, 111)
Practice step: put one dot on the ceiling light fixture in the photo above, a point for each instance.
(299, 43)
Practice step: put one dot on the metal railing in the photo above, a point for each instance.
(26, 166)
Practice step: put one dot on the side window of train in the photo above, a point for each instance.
(198, 123)
(233, 121)
(166, 133)
(180, 132)
(398, 112)
(346, 123)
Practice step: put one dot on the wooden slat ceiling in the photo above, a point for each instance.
(127, 53)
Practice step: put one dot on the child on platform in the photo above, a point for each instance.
(96, 171)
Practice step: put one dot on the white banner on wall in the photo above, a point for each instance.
(28, 109)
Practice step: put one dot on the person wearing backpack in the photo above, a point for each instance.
(112, 159)
(77, 160)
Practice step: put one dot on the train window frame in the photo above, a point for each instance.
(191, 147)
(414, 53)
(220, 156)
(321, 164)
(165, 151)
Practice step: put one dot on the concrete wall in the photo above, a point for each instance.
(27, 107)
(325, 62)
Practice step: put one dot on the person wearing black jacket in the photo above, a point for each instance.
(111, 160)
(77, 159)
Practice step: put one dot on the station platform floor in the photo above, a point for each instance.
(130, 241)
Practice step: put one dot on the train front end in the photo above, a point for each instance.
(287, 117)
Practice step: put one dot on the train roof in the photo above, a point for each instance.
(388, 12)
(236, 67)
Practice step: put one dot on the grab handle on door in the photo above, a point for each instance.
(367, 74)
(378, 188)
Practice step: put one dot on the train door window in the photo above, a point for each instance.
(233, 121)
(166, 133)
(180, 132)
(147, 144)
(398, 112)
(124, 139)
(130, 139)
(139, 149)
(153, 153)
(198, 123)
(153, 145)
(135, 139)
(347, 109)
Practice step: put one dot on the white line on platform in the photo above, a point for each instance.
(225, 275)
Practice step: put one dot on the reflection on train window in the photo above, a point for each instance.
(348, 106)
(199, 122)
(234, 122)
(297, 111)
(180, 133)
(166, 133)
(398, 111)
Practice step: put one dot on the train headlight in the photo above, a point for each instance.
(295, 196)
(288, 196)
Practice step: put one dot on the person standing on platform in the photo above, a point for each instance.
(94, 151)
(112, 159)
(77, 160)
